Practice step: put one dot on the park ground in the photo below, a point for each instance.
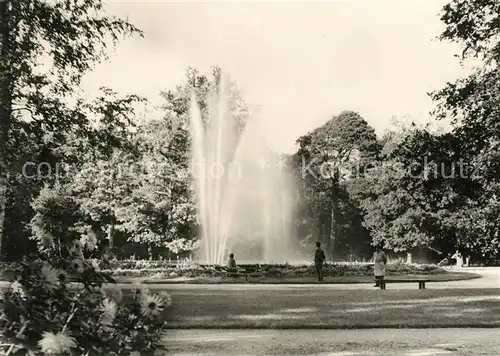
(337, 319)
(454, 318)
(383, 342)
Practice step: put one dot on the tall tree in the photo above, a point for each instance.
(417, 195)
(473, 102)
(438, 190)
(327, 156)
(46, 47)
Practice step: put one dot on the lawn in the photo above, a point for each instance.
(321, 307)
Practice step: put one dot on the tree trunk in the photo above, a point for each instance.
(5, 113)
(331, 239)
(334, 190)
(3, 206)
(111, 233)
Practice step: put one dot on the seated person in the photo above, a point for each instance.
(231, 265)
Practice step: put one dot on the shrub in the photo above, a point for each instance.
(43, 314)
(274, 272)
(56, 218)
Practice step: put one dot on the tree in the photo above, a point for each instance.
(474, 105)
(167, 189)
(328, 156)
(473, 102)
(46, 48)
(103, 189)
(415, 197)
(437, 190)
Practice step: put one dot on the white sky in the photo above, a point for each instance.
(301, 62)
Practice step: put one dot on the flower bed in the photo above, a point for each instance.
(169, 270)
(166, 270)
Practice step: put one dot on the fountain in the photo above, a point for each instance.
(243, 193)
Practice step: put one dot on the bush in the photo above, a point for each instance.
(274, 272)
(42, 314)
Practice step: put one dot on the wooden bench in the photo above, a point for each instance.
(253, 270)
(421, 282)
(231, 272)
(240, 271)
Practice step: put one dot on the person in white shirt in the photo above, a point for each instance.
(380, 260)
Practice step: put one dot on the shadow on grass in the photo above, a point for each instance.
(335, 308)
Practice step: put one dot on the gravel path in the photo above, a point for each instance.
(386, 342)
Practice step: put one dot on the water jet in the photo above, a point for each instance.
(243, 191)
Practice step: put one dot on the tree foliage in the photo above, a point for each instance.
(327, 158)
(438, 190)
(473, 102)
(46, 48)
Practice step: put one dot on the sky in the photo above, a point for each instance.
(301, 62)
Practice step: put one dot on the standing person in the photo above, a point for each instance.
(459, 260)
(232, 266)
(380, 260)
(319, 259)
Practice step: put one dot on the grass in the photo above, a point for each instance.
(310, 308)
